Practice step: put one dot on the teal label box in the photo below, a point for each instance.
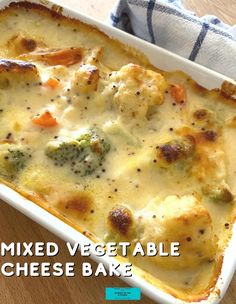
(123, 293)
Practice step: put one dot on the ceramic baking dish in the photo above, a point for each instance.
(164, 60)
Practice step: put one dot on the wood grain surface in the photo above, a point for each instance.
(15, 227)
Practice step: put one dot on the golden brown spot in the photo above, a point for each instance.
(120, 219)
(28, 44)
(228, 89)
(20, 44)
(199, 137)
(200, 114)
(208, 135)
(81, 202)
(16, 66)
(226, 196)
(177, 149)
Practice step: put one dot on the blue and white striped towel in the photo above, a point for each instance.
(168, 24)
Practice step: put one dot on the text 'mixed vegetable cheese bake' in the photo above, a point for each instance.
(120, 150)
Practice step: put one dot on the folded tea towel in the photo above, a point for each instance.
(168, 24)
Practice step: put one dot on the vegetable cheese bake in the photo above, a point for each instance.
(120, 150)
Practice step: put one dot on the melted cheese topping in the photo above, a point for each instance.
(121, 151)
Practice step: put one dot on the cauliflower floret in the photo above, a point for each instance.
(182, 220)
(86, 79)
(136, 90)
(13, 72)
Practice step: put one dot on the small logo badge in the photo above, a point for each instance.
(123, 293)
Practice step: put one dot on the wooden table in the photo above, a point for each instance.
(15, 227)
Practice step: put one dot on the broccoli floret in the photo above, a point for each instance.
(87, 165)
(13, 160)
(83, 155)
(94, 147)
(63, 150)
(17, 159)
(95, 140)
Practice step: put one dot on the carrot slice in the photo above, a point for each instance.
(178, 93)
(67, 56)
(52, 83)
(45, 120)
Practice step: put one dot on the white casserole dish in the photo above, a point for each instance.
(164, 60)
